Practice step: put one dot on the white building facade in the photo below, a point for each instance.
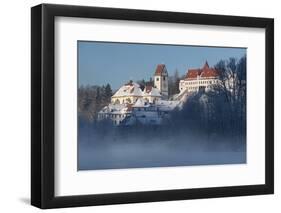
(161, 80)
(199, 79)
(115, 113)
(131, 92)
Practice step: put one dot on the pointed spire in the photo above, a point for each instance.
(206, 65)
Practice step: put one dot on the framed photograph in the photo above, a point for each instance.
(139, 106)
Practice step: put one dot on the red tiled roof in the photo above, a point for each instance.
(205, 72)
(193, 73)
(209, 72)
(159, 69)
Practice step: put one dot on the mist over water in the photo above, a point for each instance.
(108, 147)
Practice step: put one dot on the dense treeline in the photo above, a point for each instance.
(221, 111)
(173, 83)
(91, 99)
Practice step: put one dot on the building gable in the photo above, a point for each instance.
(160, 70)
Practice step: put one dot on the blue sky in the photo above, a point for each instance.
(116, 63)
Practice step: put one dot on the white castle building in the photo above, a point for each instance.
(199, 79)
(130, 104)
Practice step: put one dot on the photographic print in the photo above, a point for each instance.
(158, 105)
(132, 106)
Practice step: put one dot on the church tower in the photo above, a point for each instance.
(161, 80)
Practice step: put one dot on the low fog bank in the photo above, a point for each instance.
(102, 146)
(140, 156)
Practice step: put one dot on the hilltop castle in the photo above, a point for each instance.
(199, 79)
(130, 104)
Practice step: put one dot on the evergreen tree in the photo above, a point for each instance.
(108, 92)
(173, 83)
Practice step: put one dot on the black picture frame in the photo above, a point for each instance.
(43, 105)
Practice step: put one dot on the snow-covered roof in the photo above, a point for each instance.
(129, 89)
(164, 105)
(151, 91)
(116, 108)
(140, 103)
(133, 89)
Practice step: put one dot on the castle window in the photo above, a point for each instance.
(157, 79)
(164, 78)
